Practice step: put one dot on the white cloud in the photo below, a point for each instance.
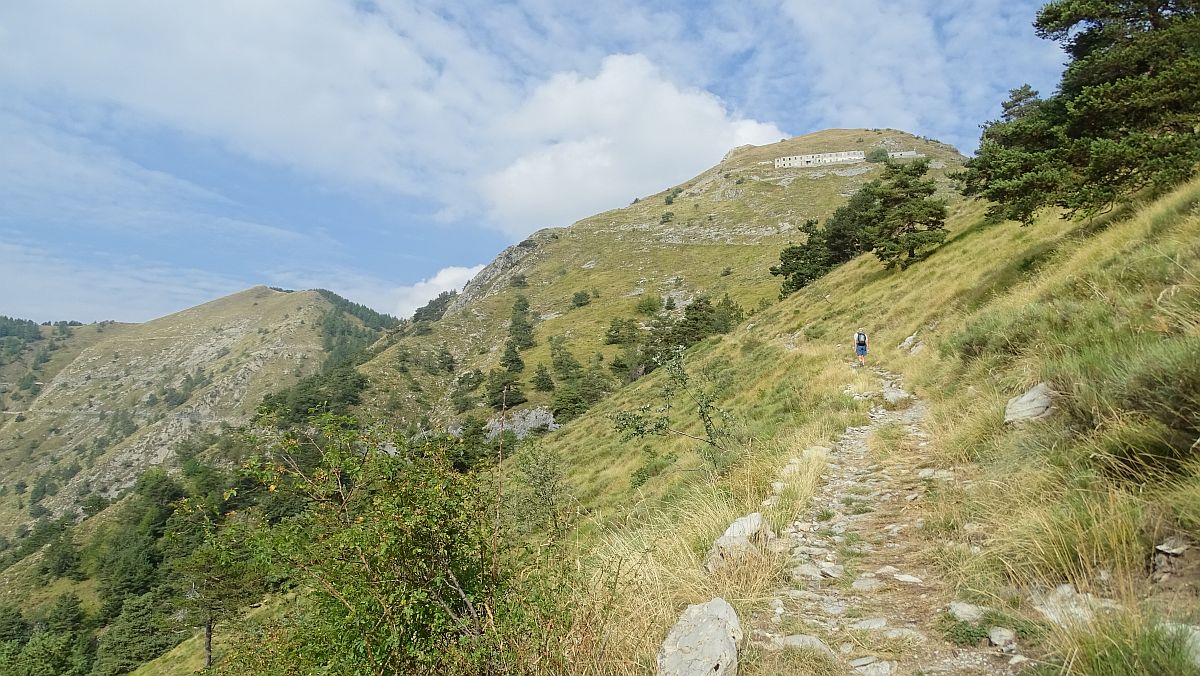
(598, 142)
(355, 97)
(518, 110)
(928, 68)
(43, 286)
(381, 295)
(409, 298)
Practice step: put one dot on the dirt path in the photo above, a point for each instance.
(860, 586)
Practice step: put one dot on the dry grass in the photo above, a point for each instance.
(653, 561)
(787, 662)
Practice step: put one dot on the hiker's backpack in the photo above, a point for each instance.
(861, 338)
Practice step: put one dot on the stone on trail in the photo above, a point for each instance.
(806, 571)
(803, 641)
(1174, 546)
(870, 623)
(867, 584)
(895, 395)
(832, 570)
(1035, 404)
(904, 633)
(911, 579)
(877, 669)
(703, 641)
(966, 612)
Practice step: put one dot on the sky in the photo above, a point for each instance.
(156, 155)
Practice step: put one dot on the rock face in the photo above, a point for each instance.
(739, 541)
(523, 423)
(704, 640)
(1035, 404)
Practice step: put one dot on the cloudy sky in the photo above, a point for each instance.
(156, 155)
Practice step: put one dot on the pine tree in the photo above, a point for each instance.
(566, 366)
(542, 382)
(511, 360)
(520, 330)
(1123, 117)
(503, 390)
(137, 636)
(66, 615)
(908, 220)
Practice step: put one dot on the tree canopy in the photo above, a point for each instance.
(1123, 118)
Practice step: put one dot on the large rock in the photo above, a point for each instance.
(1189, 633)
(738, 542)
(1035, 404)
(704, 640)
(1068, 608)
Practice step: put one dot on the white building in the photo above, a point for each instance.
(818, 159)
(899, 154)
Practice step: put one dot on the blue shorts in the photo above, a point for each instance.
(860, 350)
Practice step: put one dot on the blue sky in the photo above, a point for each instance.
(160, 154)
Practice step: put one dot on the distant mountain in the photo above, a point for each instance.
(88, 408)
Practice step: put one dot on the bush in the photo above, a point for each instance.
(581, 298)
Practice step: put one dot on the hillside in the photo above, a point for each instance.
(113, 399)
(901, 485)
(726, 228)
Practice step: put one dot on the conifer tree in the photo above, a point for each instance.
(542, 382)
(511, 360)
(1123, 117)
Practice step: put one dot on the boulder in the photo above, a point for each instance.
(1035, 404)
(1066, 607)
(895, 395)
(704, 640)
(738, 541)
(1189, 633)
(908, 342)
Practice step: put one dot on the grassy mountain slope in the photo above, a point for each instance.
(726, 229)
(1106, 312)
(117, 397)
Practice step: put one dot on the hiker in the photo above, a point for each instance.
(860, 346)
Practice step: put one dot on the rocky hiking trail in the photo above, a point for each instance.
(859, 589)
(858, 577)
